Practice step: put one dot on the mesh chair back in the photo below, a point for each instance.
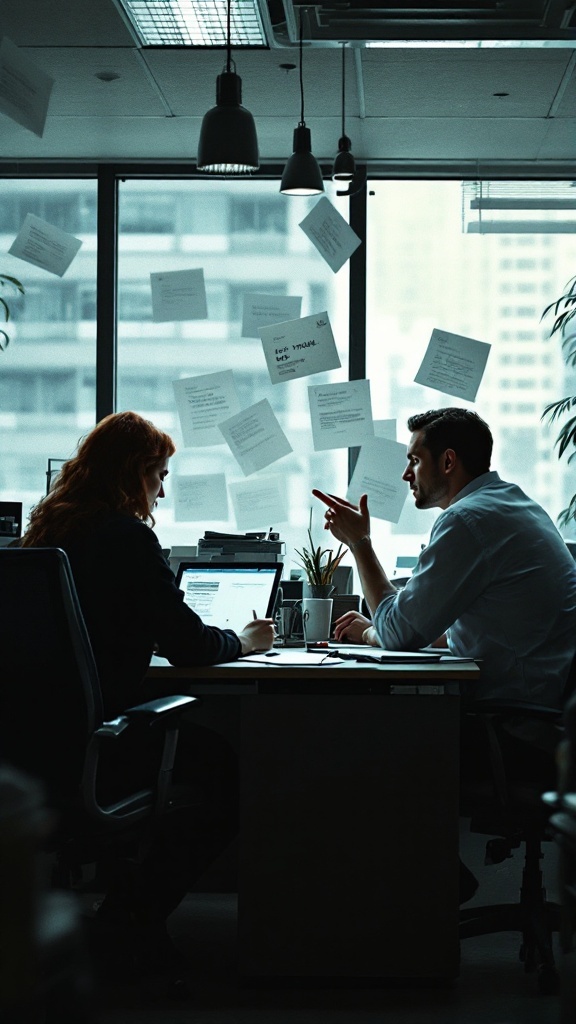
(50, 699)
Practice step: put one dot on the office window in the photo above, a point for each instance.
(149, 215)
(47, 373)
(151, 356)
(455, 283)
(264, 215)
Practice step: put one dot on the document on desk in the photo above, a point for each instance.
(365, 652)
(294, 658)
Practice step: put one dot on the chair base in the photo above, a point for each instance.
(536, 919)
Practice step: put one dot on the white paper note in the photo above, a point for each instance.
(44, 245)
(341, 414)
(24, 88)
(299, 348)
(200, 498)
(330, 233)
(378, 473)
(255, 437)
(178, 295)
(453, 364)
(203, 402)
(263, 310)
(259, 503)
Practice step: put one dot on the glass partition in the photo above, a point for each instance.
(431, 266)
(246, 238)
(47, 372)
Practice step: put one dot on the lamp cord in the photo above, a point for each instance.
(302, 121)
(228, 39)
(343, 88)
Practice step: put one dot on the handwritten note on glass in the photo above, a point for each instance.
(203, 402)
(200, 498)
(263, 310)
(341, 414)
(24, 88)
(453, 364)
(330, 233)
(378, 473)
(44, 245)
(299, 348)
(178, 295)
(259, 503)
(255, 437)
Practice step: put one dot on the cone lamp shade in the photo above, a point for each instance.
(228, 143)
(344, 167)
(302, 175)
(344, 164)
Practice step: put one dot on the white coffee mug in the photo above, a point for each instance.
(316, 618)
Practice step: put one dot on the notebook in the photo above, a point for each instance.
(226, 594)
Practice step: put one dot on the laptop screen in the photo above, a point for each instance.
(226, 594)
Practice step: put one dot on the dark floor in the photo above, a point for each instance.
(492, 987)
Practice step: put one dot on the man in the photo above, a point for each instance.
(496, 581)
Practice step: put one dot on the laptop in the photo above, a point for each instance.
(226, 594)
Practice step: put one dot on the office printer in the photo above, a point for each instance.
(243, 547)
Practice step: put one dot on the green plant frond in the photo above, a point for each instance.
(6, 341)
(6, 309)
(566, 436)
(321, 564)
(556, 409)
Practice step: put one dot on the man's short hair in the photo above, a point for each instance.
(460, 429)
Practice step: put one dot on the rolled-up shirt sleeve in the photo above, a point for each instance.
(449, 576)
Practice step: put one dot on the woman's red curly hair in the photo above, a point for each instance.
(107, 474)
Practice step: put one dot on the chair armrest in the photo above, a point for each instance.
(157, 710)
(163, 710)
(150, 713)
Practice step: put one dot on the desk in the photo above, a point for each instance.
(348, 858)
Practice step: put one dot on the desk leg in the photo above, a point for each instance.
(349, 836)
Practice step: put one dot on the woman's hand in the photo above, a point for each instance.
(350, 627)
(258, 635)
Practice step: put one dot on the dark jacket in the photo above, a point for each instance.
(131, 603)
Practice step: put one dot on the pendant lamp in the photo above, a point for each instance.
(344, 164)
(228, 142)
(302, 175)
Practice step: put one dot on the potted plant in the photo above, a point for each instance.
(564, 325)
(14, 283)
(320, 564)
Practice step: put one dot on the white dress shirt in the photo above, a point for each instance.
(498, 579)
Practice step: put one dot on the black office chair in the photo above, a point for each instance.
(508, 807)
(562, 803)
(52, 727)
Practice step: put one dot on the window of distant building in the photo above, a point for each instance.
(258, 215)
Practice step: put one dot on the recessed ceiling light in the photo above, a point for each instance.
(195, 22)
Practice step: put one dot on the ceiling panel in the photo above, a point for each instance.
(64, 23)
(78, 90)
(413, 104)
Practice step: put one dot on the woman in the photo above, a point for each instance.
(100, 511)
